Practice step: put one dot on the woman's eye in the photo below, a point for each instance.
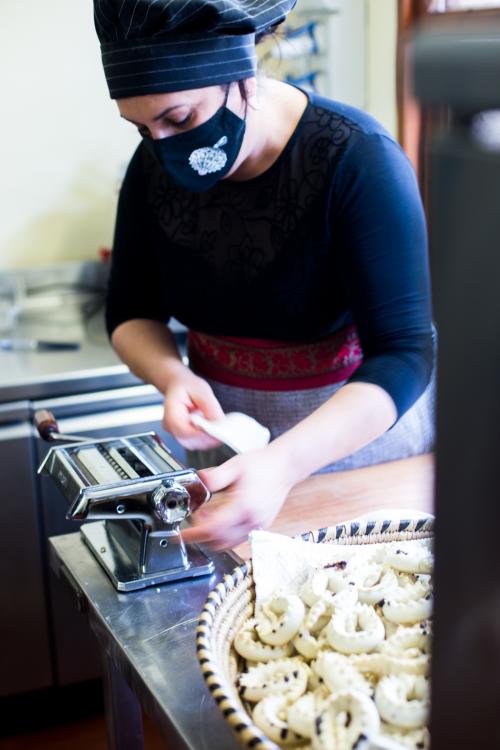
(181, 123)
(144, 131)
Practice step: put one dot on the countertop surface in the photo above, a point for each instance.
(61, 303)
(150, 634)
(36, 375)
(57, 303)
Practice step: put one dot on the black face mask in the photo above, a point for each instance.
(198, 159)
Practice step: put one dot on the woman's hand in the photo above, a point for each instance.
(156, 359)
(251, 489)
(188, 393)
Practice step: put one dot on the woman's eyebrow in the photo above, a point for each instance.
(157, 117)
(166, 111)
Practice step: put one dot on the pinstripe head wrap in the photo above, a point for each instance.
(156, 46)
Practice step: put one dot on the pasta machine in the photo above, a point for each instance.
(136, 494)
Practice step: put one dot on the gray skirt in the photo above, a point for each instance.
(412, 435)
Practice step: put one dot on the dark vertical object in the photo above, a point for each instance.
(462, 70)
(412, 117)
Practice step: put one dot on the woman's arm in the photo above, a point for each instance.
(256, 484)
(379, 220)
(354, 416)
(148, 347)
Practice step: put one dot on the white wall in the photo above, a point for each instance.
(381, 18)
(62, 143)
(63, 146)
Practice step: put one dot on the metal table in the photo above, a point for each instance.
(147, 640)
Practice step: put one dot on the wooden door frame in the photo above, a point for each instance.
(414, 123)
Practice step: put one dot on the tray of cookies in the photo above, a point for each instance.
(330, 651)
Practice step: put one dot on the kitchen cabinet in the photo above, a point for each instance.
(26, 662)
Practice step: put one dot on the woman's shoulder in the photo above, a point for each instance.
(356, 139)
(337, 112)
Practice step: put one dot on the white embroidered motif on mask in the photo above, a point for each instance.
(209, 158)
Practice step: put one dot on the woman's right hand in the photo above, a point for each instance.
(188, 393)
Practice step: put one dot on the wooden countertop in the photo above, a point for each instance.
(327, 499)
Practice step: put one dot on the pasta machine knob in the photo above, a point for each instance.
(171, 502)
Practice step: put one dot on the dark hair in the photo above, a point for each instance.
(264, 34)
(270, 31)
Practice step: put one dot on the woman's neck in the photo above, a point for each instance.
(269, 126)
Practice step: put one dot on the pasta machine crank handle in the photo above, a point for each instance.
(48, 429)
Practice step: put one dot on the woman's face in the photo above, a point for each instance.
(163, 115)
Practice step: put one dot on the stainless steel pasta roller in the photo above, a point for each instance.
(136, 494)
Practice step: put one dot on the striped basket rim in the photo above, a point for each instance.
(356, 532)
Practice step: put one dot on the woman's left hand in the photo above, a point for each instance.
(251, 488)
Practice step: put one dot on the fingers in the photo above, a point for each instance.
(221, 540)
(204, 399)
(184, 397)
(200, 534)
(220, 477)
(199, 442)
(223, 523)
(218, 532)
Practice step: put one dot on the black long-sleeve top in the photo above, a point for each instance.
(332, 233)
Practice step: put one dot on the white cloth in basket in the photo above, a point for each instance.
(281, 562)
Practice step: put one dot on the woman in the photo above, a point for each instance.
(287, 233)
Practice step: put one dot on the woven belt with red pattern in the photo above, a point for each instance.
(275, 365)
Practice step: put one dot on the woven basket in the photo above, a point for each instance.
(231, 603)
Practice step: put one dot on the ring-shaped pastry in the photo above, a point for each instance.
(347, 721)
(412, 558)
(283, 676)
(355, 631)
(407, 639)
(268, 716)
(377, 585)
(338, 673)
(279, 619)
(411, 602)
(413, 739)
(410, 611)
(306, 643)
(403, 700)
(300, 714)
(314, 587)
(247, 644)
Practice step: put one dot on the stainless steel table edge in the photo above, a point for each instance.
(127, 628)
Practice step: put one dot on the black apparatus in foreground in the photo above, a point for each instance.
(460, 69)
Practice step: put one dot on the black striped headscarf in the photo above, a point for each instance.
(156, 46)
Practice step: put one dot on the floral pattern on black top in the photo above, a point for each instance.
(239, 228)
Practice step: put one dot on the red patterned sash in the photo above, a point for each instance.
(265, 365)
